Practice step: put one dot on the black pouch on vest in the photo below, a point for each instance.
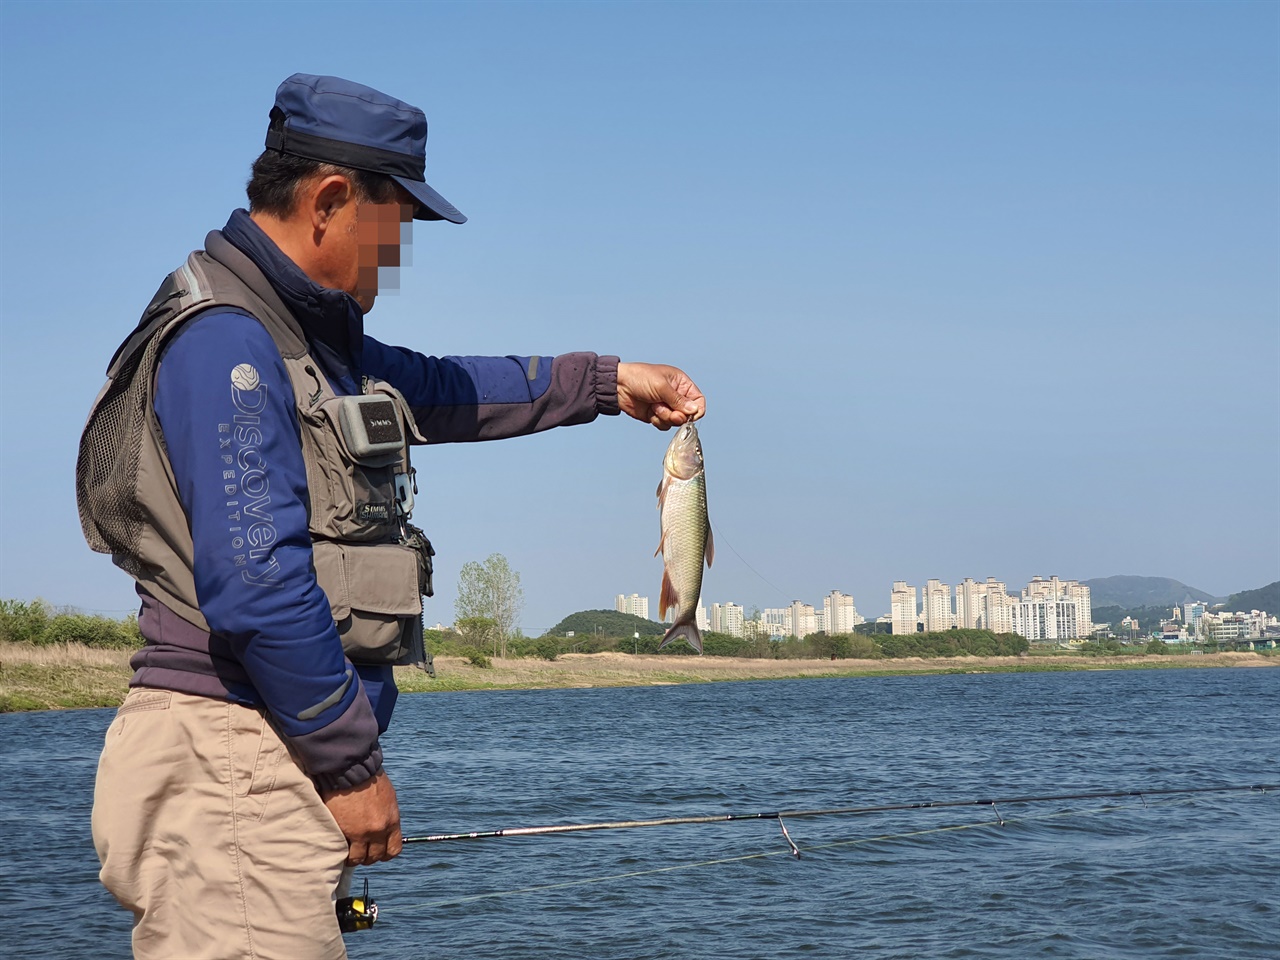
(370, 426)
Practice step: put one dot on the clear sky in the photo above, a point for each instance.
(972, 289)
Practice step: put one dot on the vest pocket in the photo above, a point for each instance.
(373, 592)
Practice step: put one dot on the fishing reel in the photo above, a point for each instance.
(357, 913)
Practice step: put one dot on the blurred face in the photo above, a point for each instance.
(378, 231)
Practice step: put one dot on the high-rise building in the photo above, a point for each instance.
(936, 604)
(803, 621)
(839, 613)
(635, 605)
(903, 609)
(970, 598)
(778, 621)
(1053, 609)
(727, 618)
(1084, 606)
(1192, 613)
(997, 607)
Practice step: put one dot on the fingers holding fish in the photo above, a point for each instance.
(659, 394)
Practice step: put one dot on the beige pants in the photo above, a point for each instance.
(209, 831)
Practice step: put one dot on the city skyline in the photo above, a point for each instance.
(1047, 608)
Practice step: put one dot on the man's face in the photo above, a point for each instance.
(379, 230)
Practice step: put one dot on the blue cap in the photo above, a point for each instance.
(336, 121)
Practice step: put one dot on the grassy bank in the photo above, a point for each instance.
(60, 676)
(623, 670)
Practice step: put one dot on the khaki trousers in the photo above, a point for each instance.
(210, 832)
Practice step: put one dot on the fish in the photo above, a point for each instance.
(686, 535)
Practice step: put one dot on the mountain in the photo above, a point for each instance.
(1264, 598)
(606, 623)
(1131, 592)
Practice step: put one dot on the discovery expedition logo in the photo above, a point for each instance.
(245, 481)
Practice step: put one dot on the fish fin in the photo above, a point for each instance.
(683, 631)
(668, 598)
(711, 546)
(662, 541)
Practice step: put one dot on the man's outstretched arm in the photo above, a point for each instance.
(460, 399)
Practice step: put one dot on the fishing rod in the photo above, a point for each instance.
(782, 815)
(360, 913)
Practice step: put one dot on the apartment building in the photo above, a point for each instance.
(727, 618)
(839, 613)
(635, 605)
(903, 609)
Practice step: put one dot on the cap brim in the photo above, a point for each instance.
(431, 206)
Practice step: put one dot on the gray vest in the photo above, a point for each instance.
(373, 565)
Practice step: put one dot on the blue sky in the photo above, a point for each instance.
(972, 289)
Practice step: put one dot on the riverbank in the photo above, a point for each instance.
(581, 670)
(65, 676)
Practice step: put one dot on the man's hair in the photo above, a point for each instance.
(273, 186)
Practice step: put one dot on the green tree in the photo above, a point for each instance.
(478, 633)
(490, 590)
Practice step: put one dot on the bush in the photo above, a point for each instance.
(545, 648)
(952, 643)
(93, 631)
(37, 623)
(1157, 646)
(1101, 648)
(479, 660)
(22, 622)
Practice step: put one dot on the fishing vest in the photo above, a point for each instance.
(372, 563)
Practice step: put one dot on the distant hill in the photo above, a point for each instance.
(1130, 592)
(606, 623)
(1264, 598)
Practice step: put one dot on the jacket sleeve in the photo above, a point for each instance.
(489, 398)
(226, 409)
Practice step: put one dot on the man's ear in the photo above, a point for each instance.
(327, 199)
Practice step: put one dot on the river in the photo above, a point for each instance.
(1192, 876)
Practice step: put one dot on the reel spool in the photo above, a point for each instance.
(357, 913)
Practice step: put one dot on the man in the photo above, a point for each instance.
(248, 464)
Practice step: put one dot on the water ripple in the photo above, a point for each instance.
(1174, 877)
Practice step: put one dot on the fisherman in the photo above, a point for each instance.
(248, 464)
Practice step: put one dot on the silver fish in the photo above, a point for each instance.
(686, 534)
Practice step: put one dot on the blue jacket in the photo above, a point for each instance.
(279, 648)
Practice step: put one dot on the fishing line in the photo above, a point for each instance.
(719, 538)
(951, 828)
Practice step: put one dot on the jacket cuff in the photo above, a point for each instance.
(606, 386)
(345, 752)
(353, 776)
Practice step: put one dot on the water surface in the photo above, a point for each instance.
(1193, 876)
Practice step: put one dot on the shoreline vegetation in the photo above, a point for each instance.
(72, 675)
(62, 658)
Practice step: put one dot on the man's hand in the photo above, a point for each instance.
(370, 819)
(659, 394)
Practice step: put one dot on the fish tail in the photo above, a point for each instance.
(683, 631)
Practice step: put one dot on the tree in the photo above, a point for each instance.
(478, 632)
(490, 590)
